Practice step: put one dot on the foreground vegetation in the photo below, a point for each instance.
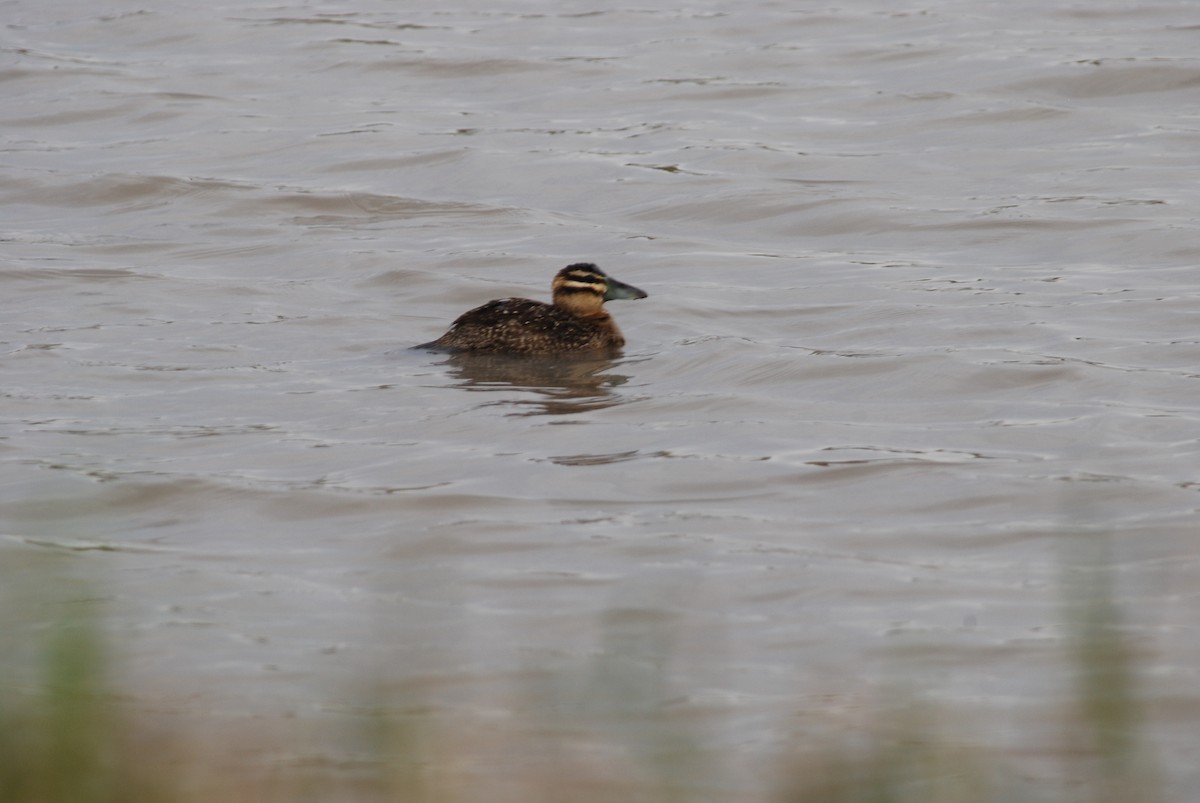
(68, 736)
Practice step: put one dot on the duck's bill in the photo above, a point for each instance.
(618, 290)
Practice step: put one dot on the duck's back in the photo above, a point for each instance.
(525, 326)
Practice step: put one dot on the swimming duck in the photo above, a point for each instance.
(575, 322)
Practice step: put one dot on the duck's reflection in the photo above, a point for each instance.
(557, 385)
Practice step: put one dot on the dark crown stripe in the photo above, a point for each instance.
(585, 267)
(585, 276)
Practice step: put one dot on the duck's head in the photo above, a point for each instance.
(583, 288)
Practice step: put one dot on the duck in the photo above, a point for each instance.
(575, 321)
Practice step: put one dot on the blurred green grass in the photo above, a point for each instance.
(68, 736)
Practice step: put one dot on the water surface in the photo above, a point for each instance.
(921, 327)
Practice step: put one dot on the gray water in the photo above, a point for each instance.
(922, 329)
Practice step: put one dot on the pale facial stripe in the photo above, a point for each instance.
(572, 284)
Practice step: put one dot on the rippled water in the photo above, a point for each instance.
(922, 320)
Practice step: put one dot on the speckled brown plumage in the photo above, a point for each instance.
(575, 322)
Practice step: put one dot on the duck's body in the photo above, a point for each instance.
(575, 322)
